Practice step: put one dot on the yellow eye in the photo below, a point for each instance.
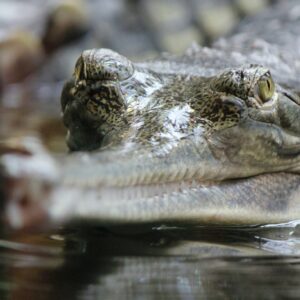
(265, 88)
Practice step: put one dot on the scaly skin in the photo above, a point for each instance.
(263, 199)
(178, 146)
(162, 128)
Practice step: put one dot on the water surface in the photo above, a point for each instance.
(163, 263)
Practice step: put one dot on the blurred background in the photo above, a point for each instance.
(54, 33)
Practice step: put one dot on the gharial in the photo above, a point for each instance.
(170, 147)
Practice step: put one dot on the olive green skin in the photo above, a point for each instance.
(176, 145)
(112, 103)
(196, 138)
(111, 95)
(167, 139)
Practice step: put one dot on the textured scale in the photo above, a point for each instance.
(172, 146)
(211, 136)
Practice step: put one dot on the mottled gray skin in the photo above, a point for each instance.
(169, 135)
(200, 138)
(208, 128)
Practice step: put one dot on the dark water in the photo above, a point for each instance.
(160, 263)
(163, 263)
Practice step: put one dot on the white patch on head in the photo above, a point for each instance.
(175, 123)
(179, 116)
(133, 98)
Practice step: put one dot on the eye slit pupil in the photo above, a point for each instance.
(268, 83)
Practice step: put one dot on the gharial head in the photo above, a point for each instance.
(255, 121)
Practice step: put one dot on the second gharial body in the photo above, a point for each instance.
(157, 147)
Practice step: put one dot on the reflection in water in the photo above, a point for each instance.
(164, 263)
